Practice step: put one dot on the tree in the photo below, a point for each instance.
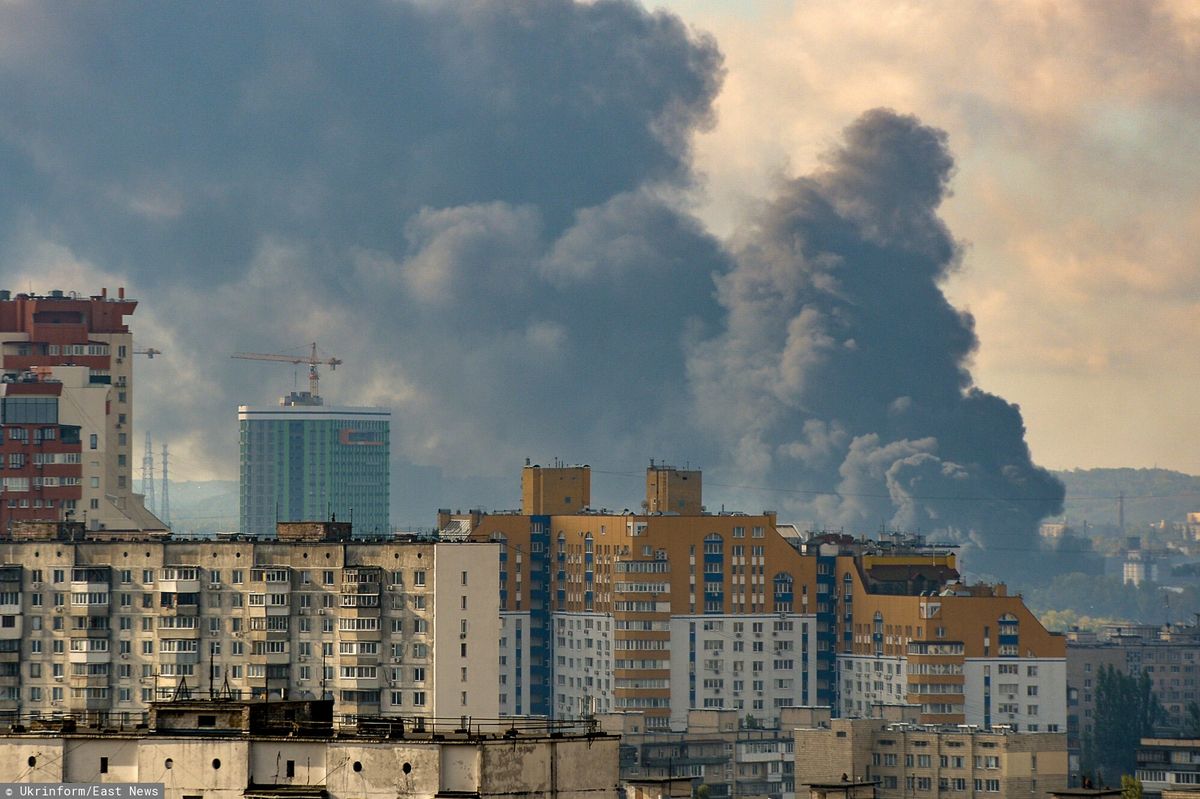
(1126, 712)
(1191, 721)
(1131, 787)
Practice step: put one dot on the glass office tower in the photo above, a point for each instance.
(304, 461)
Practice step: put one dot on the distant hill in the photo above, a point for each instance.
(1151, 495)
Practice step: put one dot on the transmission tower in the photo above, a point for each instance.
(148, 475)
(166, 492)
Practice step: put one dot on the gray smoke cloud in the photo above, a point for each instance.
(482, 207)
(843, 368)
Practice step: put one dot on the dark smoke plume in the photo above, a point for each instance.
(843, 368)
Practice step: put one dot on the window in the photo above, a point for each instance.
(419, 578)
(93, 441)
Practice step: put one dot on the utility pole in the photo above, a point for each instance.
(166, 492)
(148, 475)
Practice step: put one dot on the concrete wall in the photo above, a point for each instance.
(223, 767)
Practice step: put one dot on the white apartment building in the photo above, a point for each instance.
(583, 664)
(869, 681)
(383, 627)
(755, 664)
(1029, 696)
(1025, 694)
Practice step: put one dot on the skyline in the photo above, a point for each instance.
(528, 301)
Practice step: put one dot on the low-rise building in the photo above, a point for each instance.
(1168, 764)
(914, 761)
(267, 750)
(717, 750)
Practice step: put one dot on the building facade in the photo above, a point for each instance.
(912, 761)
(66, 401)
(233, 750)
(715, 749)
(673, 611)
(1166, 765)
(1168, 655)
(303, 460)
(102, 626)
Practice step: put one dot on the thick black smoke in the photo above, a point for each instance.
(482, 208)
(843, 368)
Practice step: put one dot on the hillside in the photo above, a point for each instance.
(1151, 495)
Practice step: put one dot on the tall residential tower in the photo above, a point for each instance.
(302, 461)
(66, 403)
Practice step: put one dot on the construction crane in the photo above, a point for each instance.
(312, 360)
(149, 352)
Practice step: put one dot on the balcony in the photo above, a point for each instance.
(180, 580)
(11, 627)
(274, 579)
(89, 656)
(91, 578)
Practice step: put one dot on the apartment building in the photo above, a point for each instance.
(66, 403)
(228, 749)
(1166, 765)
(1168, 654)
(912, 761)
(669, 611)
(716, 749)
(100, 625)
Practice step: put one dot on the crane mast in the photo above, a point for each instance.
(312, 360)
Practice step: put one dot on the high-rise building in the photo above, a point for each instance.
(663, 612)
(66, 379)
(101, 623)
(304, 460)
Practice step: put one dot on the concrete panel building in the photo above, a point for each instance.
(715, 749)
(910, 761)
(102, 626)
(222, 750)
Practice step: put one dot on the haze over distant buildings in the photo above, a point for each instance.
(502, 215)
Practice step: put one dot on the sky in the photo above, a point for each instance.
(1074, 128)
(870, 263)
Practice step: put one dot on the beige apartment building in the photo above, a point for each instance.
(912, 761)
(99, 627)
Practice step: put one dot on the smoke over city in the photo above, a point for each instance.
(484, 209)
(842, 368)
